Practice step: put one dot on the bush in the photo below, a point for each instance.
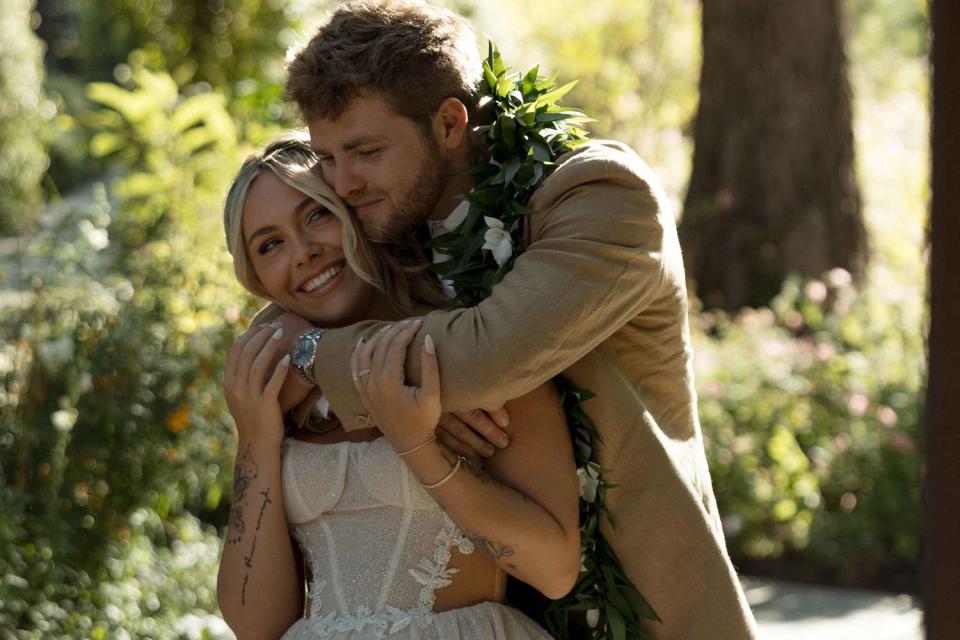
(22, 113)
(110, 404)
(142, 590)
(811, 410)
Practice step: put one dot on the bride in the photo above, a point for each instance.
(391, 533)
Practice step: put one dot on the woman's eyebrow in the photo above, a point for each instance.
(306, 202)
(260, 232)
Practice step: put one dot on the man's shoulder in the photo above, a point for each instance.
(598, 162)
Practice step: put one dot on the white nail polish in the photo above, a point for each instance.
(278, 334)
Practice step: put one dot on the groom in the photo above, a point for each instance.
(389, 93)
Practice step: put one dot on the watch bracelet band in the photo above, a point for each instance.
(315, 332)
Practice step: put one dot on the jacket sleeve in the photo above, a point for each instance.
(594, 261)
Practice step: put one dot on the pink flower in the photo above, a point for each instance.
(838, 278)
(887, 416)
(858, 404)
(816, 291)
(825, 352)
(904, 443)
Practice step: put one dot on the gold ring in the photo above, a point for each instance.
(361, 373)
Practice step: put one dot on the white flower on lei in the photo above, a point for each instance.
(497, 240)
(593, 617)
(589, 481)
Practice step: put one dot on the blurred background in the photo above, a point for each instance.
(791, 138)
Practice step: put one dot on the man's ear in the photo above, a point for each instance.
(450, 123)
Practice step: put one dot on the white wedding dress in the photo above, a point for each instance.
(378, 548)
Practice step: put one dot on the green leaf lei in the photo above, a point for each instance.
(528, 133)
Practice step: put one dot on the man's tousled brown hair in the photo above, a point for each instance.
(413, 54)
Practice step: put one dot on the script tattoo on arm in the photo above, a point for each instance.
(248, 559)
(244, 473)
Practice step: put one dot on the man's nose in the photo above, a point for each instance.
(346, 181)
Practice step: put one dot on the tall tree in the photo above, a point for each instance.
(941, 584)
(773, 189)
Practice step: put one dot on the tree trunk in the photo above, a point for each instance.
(941, 563)
(773, 190)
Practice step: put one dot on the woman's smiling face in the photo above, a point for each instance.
(295, 246)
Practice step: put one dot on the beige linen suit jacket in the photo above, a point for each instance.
(599, 295)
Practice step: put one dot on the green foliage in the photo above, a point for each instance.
(110, 378)
(144, 589)
(23, 110)
(811, 410)
(219, 43)
(637, 66)
(529, 132)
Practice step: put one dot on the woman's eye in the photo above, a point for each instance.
(267, 246)
(318, 214)
(369, 152)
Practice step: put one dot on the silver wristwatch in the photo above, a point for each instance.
(305, 353)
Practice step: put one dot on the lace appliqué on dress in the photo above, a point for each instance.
(436, 574)
(387, 622)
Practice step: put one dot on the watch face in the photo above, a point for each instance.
(302, 352)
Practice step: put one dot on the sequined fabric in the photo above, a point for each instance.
(378, 547)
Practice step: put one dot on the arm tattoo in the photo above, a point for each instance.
(248, 559)
(263, 507)
(476, 469)
(244, 473)
(495, 550)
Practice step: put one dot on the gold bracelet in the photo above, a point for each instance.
(418, 447)
(446, 478)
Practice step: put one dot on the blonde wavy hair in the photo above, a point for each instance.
(398, 270)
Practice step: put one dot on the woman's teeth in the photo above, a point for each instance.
(322, 279)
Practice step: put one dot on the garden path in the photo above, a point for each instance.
(792, 611)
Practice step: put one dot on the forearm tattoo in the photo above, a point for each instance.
(248, 559)
(495, 550)
(244, 473)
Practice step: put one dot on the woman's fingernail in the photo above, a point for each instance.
(503, 442)
(386, 328)
(278, 334)
(285, 360)
(488, 452)
(359, 343)
(429, 346)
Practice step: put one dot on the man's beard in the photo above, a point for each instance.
(415, 206)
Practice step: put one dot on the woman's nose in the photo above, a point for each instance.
(307, 250)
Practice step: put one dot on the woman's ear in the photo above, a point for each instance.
(450, 123)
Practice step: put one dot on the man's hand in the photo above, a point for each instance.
(470, 433)
(295, 389)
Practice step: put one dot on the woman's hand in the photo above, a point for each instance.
(406, 415)
(251, 385)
